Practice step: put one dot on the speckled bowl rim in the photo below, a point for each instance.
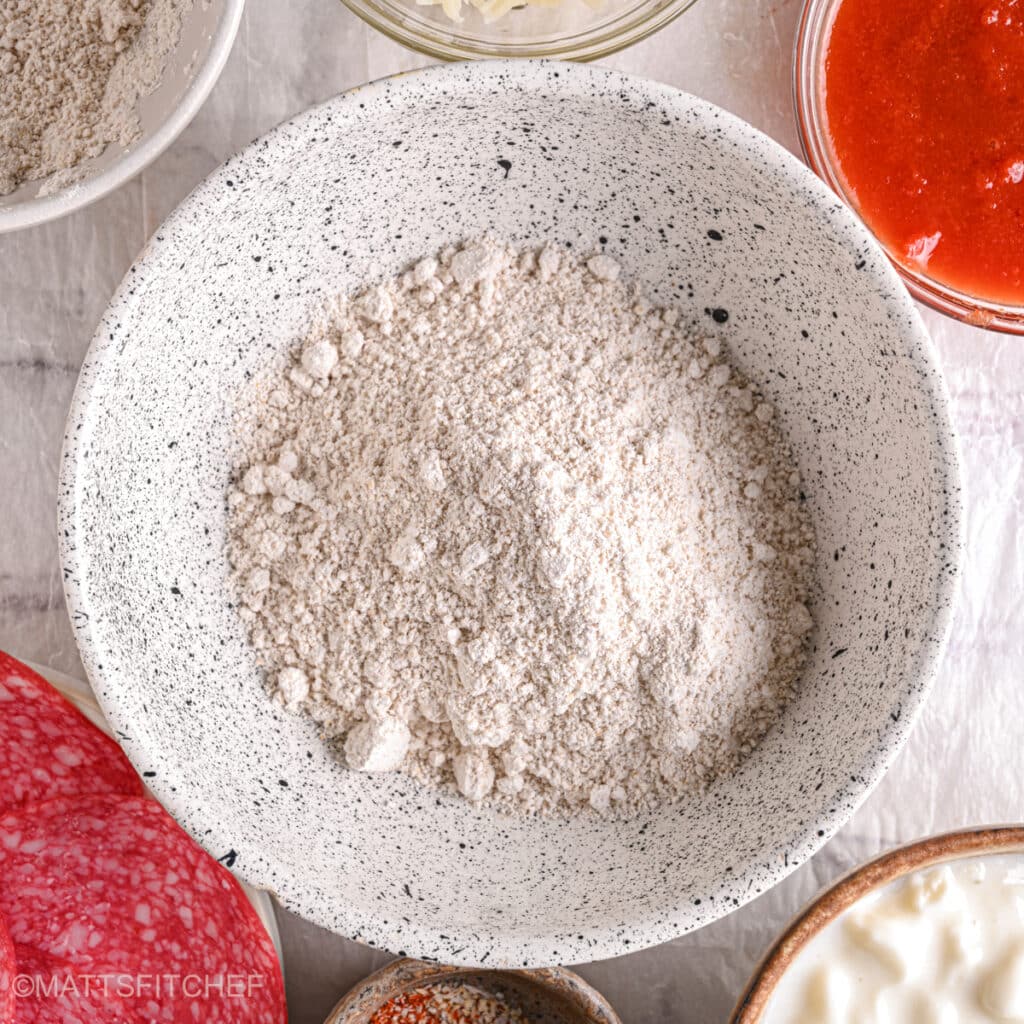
(42, 209)
(860, 882)
(734, 889)
(401, 975)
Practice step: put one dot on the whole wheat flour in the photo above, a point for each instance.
(504, 526)
(73, 72)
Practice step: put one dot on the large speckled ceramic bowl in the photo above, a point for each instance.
(708, 214)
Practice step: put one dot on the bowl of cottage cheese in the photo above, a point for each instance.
(511, 554)
(929, 931)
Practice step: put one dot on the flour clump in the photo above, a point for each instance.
(504, 525)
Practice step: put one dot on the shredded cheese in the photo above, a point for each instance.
(492, 10)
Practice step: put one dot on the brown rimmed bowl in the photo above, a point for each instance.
(548, 996)
(874, 875)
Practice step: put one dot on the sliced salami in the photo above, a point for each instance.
(8, 969)
(50, 992)
(112, 888)
(48, 748)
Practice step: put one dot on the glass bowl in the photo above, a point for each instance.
(809, 95)
(573, 30)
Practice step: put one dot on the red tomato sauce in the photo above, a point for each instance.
(924, 103)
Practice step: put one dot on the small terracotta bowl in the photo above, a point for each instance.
(821, 912)
(548, 996)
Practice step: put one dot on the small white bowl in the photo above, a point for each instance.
(706, 213)
(193, 67)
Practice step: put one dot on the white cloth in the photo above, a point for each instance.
(962, 765)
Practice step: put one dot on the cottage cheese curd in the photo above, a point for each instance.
(943, 946)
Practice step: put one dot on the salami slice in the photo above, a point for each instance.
(8, 970)
(112, 888)
(50, 992)
(48, 748)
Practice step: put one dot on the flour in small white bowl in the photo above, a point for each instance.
(73, 73)
(505, 526)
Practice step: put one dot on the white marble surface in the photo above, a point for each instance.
(963, 764)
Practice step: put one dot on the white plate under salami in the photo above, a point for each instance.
(108, 893)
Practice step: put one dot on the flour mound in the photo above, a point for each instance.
(521, 534)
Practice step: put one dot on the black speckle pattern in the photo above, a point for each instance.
(326, 201)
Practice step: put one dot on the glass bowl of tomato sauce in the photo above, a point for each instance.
(913, 112)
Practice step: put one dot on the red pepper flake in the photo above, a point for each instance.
(447, 1003)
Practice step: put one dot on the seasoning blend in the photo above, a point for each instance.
(415, 992)
(447, 1003)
